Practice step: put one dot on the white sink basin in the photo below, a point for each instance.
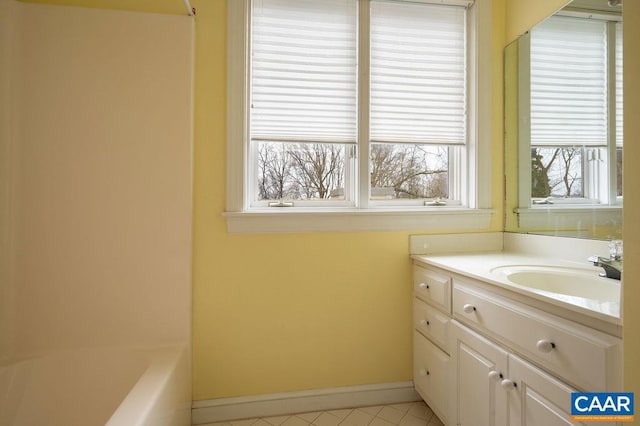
(557, 280)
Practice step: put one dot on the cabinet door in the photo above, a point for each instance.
(479, 366)
(431, 375)
(541, 400)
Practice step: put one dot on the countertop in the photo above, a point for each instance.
(479, 265)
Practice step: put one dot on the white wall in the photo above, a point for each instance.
(101, 178)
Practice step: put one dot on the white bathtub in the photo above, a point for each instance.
(114, 387)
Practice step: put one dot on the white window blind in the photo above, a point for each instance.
(569, 82)
(304, 75)
(417, 73)
(619, 110)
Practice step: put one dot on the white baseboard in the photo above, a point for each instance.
(276, 404)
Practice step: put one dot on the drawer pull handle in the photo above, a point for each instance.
(495, 375)
(508, 385)
(423, 286)
(424, 372)
(468, 308)
(424, 322)
(545, 346)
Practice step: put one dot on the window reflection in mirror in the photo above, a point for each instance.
(565, 120)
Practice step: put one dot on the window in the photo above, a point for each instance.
(303, 102)
(417, 106)
(363, 107)
(576, 111)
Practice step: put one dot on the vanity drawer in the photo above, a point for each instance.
(432, 287)
(431, 322)
(431, 375)
(589, 359)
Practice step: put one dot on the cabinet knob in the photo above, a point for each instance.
(495, 375)
(467, 308)
(424, 322)
(424, 372)
(545, 346)
(424, 286)
(508, 385)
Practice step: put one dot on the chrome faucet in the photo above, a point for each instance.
(613, 265)
(612, 268)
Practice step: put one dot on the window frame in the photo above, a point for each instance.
(367, 216)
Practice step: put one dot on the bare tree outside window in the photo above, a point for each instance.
(411, 171)
(300, 171)
(557, 172)
(275, 174)
(315, 171)
(318, 169)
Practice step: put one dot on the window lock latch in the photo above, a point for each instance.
(438, 202)
(281, 204)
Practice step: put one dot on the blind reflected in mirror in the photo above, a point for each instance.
(563, 124)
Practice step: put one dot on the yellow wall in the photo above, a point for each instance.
(175, 7)
(631, 289)
(511, 136)
(6, 291)
(286, 312)
(523, 14)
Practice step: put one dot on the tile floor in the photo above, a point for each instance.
(408, 414)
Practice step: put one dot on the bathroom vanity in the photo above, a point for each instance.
(494, 348)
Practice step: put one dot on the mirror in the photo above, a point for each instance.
(563, 124)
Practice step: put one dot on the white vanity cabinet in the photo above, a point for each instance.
(505, 362)
(431, 317)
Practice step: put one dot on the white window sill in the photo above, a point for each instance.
(283, 220)
(567, 216)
